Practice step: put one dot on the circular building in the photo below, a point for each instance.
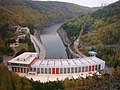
(92, 53)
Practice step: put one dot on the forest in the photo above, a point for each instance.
(11, 81)
(35, 15)
(101, 32)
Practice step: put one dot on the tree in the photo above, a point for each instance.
(9, 51)
(31, 27)
(1, 57)
(20, 52)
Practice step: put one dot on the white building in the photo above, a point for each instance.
(23, 62)
(30, 63)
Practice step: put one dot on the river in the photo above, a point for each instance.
(52, 42)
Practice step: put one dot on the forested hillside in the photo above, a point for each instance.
(34, 14)
(11, 81)
(101, 31)
(38, 13)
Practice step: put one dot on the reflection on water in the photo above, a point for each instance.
(53, 43)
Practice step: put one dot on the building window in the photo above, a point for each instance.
(45, 70)
(95, 67)
(25, 70)
(72, 70)
(49, 70)
(42, 70)
(61, 71)
(82, 69)
(99, 66)
(86, 68)
(38, 70)
(75, 69)
(13, 69)
(65, 70)
(34, 69)
(79, 69)
(68, 70)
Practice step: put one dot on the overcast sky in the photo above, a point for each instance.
(89, 3)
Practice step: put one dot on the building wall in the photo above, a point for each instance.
(22, 68)
(18, 69)
(67, 70)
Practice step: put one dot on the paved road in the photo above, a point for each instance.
(38, 46)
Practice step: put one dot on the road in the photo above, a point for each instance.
(76, 43)
(38, 46)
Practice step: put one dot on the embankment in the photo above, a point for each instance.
(67, 43)
(63, 36)
(38, 45)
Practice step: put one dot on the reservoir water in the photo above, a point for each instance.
(52, 42)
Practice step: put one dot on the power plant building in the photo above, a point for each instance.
(29, 62)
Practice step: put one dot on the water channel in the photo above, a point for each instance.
(52, 42)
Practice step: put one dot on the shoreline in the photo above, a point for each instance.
(65, 40)
(67, 43)
(63, 36)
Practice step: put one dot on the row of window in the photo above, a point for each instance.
(66, 70)
(20, 69)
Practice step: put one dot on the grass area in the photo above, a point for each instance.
(22, 45)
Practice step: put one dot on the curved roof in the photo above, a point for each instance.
(92, 53)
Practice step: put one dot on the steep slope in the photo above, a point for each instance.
(108, 17)
(43, 12)
(101, 31)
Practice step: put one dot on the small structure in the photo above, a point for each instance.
(92, 53)
(22, 36)
(14, 45)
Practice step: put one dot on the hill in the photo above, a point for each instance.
(101, 31)
(34, 14)
(37, 12)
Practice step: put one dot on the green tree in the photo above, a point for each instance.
(20, 52)
(1, 57)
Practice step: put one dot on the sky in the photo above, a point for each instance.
(88, 3)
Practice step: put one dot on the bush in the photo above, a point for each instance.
(9, 51)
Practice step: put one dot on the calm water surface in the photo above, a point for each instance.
(53, 43)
